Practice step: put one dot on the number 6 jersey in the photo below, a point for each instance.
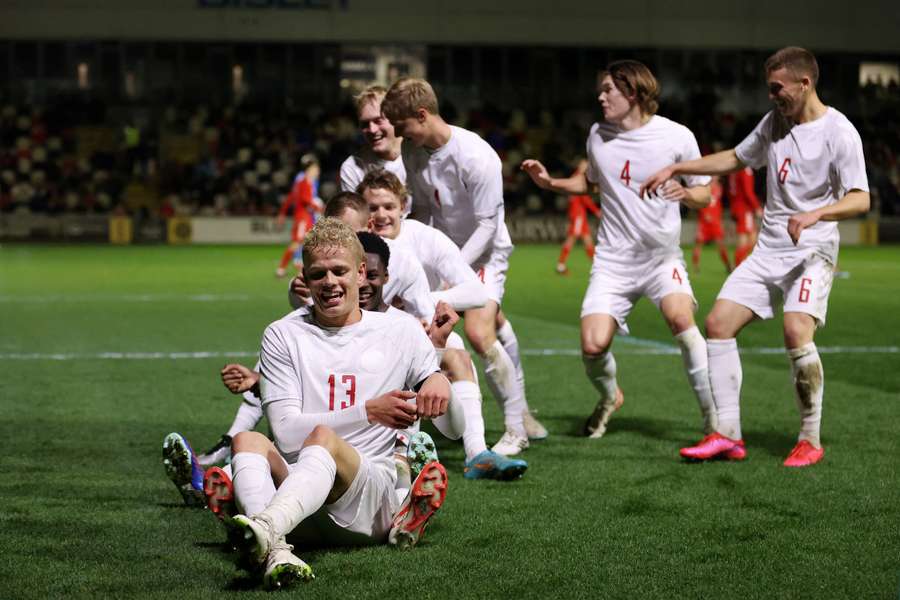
(314, 375)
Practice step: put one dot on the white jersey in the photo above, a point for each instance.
(313, 375)
(809, 165)
(619, 162)
(408, 281)
(455, 186)
(358, 165)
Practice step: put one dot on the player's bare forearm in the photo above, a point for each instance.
(576, 184)
(719, 163)
(697, 197)
(853, 204)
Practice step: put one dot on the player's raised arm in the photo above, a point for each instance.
(576, 184)
(720, 163)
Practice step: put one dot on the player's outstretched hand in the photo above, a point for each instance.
(445, 318)
(537, 172)
(672, 191)
(392, 409)
(652, 185)
(238, 378)
(433, 397)
(797, 223)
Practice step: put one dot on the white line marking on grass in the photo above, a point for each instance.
(46, 299)
(641, 349)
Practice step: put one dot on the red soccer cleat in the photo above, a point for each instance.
(716, 445)
(219, 492)
(425, 497)
(804, 454)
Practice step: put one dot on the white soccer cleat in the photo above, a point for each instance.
(511, 444)
(533, 428)
(595, 426)
(252, 538)
(284, 568)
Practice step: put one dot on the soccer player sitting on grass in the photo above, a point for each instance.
(815, 176)
(336, 383)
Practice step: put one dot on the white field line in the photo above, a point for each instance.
(70, 298)
(538, 352)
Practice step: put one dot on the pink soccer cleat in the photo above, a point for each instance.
(804, 454)
(716, 445)
(425, 497)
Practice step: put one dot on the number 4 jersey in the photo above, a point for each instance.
(313, 375)
(619, 162)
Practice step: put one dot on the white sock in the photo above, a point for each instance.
(452, 424)
(501, 377)
(809, 385)
(252, 481)
(510, 343)
(725, 377)
(601, 370)
(303, 492)
(693, 351)
(469, 398)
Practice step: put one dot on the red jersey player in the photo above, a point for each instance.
(709, 227)
(579, 205)
(745, 209)
(302, 198)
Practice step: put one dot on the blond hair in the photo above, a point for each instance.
(329, 232)
(406, 96)
(633, 78)
(373, 93)
(798, 61)
(383, 180)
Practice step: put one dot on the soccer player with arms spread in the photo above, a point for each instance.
(816, 176)
(638, 252)
(336, 384)
(456, 182)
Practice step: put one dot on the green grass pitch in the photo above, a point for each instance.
(86, 510)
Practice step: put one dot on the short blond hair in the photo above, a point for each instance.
(329, 232)
(798, 61)
(373, 93)
(406, 96)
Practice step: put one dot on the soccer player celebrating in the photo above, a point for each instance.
(336, 384)
(638, 251)
(302, 198)
(815, 175)
(709, 227)
(456, 182)
(579, 205)
(745, 210)
(382, 149)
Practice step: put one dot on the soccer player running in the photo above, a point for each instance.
(302, 198)
(336, 384)
(745, 209)
(638, 252)
(709, 227)
(816, 176)
(456, 182)
(579, 205)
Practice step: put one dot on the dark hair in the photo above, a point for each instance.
(373, 244)
(344, 200)
(383, 180)
(799, 61)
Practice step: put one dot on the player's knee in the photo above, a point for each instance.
(321, 435)
(717, 328)
(456, 364)
(798, 330)
(249, 441)
(680, 322)
(481, 338)
(592, 348)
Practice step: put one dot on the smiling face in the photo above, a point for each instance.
(334, 279)
(787, 92)
(385, 211)
(376, 129)
(371, 295)
(614, 103)
(412, 128)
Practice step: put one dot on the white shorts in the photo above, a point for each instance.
(763, 281)
(363, 515)
(493, 275)
(616, 285)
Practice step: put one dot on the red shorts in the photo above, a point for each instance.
(298, 232)
(709, 232)
(745, 223)
(578, 228)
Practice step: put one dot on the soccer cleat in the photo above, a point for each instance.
(595, 426)
(252, 539)
(533, 428)
(490, 465)
(219, 492)
(804, 454)
(426, 496)
(510, 444)
(716, 445)
(420, 452)
(562, 269)
(284, 569)
(280, 272)
(220, 453)
(182, 468)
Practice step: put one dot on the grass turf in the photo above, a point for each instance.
(87, 510)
